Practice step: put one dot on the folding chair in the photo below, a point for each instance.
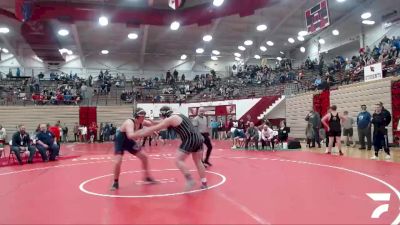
(12, 155)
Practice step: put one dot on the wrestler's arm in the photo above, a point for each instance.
(148, 122)
(151, 129)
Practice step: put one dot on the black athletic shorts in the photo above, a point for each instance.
(334, 133)
(122, 143)
(192, 144)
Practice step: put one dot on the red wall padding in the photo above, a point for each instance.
(321, 102)
(87, 115)
(396, 107)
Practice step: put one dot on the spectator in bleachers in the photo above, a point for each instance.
(46, 141)
(21, 144)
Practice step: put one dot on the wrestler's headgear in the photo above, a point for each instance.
(165, 111)
(139, 112)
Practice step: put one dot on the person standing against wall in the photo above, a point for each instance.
(200, 123)
(348, 129)
(315, 119)
(381, 119)
(214, 129)
(364, 128)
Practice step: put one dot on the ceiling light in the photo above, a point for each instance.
(237, 54)
(340, 1)
(248, 42)
(321, 41)
(63, 32)
(368, 22)
(175, 25)
(241, 48)
(270, 43)
(5, 50)
(262, 27)
(291, 40)
(133, 36)
(279, 58)
(183, 57)
(302, 49)
(282, 53)
(303, 33)
(237, 59)
(215, 58)
(335, 32)
(63, 51)
(4, 30)
(37, 58)
(263, 48)
(215, 52)
(104, 52)
(103, 21)
(218, 3)
(366, 15)
(257, 57)
(300, 38)
(199, 51)
(207, 38)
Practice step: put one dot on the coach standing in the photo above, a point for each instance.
(200, 123)
(387, 119)
(381, 119)
(364, 127)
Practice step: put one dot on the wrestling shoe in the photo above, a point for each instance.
(149, 180)
(115, 186)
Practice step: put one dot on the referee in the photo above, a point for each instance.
(200, 123)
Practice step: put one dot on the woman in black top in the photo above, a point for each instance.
(332, 122)
(283, 132)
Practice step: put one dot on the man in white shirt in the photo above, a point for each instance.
(3, 137)
(267, 137)
(200, 123)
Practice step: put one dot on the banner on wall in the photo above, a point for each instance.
(214, 110)
(373, 72)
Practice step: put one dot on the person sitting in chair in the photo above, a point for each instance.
(21, 144)
(251, 135)
(267, 137)
(46, 141)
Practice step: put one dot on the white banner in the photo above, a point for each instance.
(373, 72)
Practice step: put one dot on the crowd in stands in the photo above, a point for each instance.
(344, 71)
(175, 87)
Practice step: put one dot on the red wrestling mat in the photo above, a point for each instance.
(245, 188)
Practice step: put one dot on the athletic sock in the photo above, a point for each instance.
(203, 180)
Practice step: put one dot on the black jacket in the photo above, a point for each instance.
(387, 117)
(18, 140)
